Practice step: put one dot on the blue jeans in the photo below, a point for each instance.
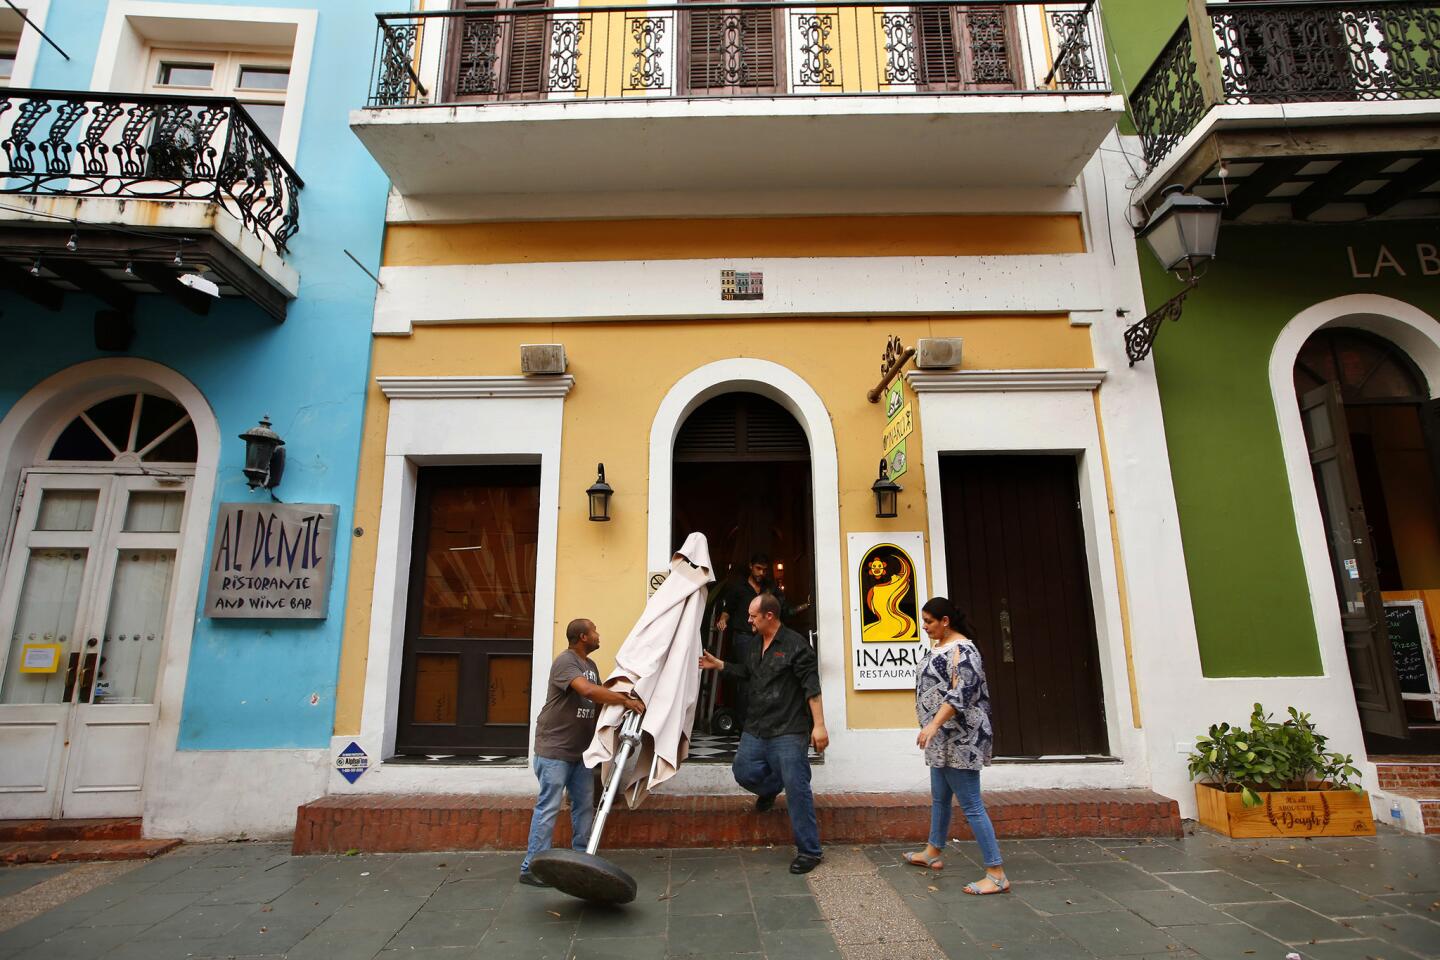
(947, 782)
(557, 778)
(766, 766)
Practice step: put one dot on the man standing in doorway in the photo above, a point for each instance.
(563, 731)
(785, 717)
(733, 611)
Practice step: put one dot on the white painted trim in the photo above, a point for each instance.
(690, 289)
(1412, 330)
(423, 388)
(60, 398)
(112, 62)
(1058, 421)
(450, 429)
(790, 390)
(27, 54)
(990, 381)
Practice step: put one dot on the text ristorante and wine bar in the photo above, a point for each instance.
(272, 561)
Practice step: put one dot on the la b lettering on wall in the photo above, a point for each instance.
(272, 561)
(888, 587)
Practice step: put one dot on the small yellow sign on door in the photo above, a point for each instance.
(40, 657)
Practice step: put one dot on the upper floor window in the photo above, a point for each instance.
(259, 80)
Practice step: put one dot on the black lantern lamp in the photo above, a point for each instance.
(1183, 234)
(264, 455)
(599, 494)
(887, 493)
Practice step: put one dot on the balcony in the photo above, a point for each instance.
(530, 99)
(117, 195)
(1320, 110)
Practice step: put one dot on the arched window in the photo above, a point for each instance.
(128, 429)
(1369, 369)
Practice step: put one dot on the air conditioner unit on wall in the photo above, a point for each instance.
(938, 353)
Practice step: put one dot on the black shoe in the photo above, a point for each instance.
(764, 804)
(804, 864)
(530, 880)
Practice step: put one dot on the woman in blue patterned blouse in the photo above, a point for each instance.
(952, 704)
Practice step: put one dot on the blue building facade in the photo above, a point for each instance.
(182, 201)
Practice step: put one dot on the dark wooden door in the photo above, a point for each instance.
(966, 47)
(1015, 556)
(732, 52)
(501, 53)
(470, 622)
(1352, 561)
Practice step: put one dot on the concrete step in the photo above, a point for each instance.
(420, 822)
(113, 828)
(76, 851)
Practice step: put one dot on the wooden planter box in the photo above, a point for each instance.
(1286, 813)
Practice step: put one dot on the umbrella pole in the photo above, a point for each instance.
(629, 739)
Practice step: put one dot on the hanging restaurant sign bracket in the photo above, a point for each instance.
(891, 363)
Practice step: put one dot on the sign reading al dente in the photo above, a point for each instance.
(272, 561)
(888, 586)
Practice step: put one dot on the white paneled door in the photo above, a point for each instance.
(86, 606)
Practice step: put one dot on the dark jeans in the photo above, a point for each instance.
(767, 766)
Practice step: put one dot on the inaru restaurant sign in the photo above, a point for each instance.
(272, 561)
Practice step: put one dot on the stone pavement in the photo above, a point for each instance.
(1200, 897)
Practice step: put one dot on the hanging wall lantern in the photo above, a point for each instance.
(264, 456)
(887, 493)
(599, 494)
(1183, 234)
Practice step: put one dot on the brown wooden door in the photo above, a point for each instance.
(732, 52)
(470, 623)
(1352, 561)
(966, 47)
(1015, 556)
(500, 55)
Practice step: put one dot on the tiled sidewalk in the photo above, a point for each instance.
(1204, 896)
(1199, 897)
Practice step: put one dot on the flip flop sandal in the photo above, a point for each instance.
(974, 890)
(920, 860)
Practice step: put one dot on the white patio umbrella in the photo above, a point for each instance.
(658, 660)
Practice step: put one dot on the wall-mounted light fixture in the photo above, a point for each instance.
(264, 455)
(1182, 234)
(599, 494)
(887, 493)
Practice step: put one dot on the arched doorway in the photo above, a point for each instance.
(86, 601)
(741, 475)
(1373, 436)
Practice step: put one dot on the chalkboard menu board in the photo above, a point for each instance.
(1407, 637)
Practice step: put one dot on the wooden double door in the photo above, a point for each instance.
(470, 622)
(1016, 563)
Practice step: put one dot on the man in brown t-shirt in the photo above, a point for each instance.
(562, 732)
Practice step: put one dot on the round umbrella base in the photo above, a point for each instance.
(584, 875)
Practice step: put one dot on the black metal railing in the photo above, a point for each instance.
(149, 147)
(534, 52)
(1309, 51)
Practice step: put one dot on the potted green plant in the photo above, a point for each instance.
(1277, 780)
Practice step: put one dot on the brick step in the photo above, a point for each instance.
(1409, 772)
(427, 822)
(113, 828)
(78, 851)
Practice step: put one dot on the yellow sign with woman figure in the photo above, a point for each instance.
(888, 588)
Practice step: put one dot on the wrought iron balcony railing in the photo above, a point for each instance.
(149, 147)
(1308, 51)
(529, 51)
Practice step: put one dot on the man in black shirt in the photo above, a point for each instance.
(732, 611)
(784, 718)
